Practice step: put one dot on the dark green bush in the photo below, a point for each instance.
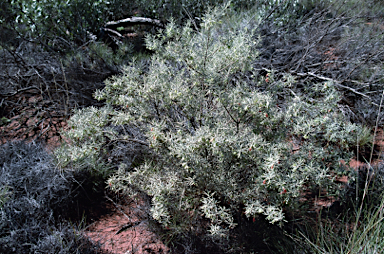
(63, 23)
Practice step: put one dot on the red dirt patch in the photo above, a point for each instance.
(127, 230)
(34, 121)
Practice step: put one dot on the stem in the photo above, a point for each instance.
(377, 124)
(236, 122)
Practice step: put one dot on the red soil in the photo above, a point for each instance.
(126, 230)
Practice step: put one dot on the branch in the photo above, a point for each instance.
(337, 83)
(130, 140)
(113, 32)
(133, 21)
(273, 10)
(21, 90)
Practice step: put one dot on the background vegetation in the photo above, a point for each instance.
(233, 118)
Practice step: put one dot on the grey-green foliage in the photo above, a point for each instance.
(32, 194)
(221, 142)
(85, 131)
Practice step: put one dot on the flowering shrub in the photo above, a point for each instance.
(222, 141)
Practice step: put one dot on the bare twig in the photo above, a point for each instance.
(134, 21)
(337, 83)
(21, 90)
(129, 140)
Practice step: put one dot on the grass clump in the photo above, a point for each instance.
(356, 226)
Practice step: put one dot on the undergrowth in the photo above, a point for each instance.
(223, 144)
(234, 117)
(35, 200)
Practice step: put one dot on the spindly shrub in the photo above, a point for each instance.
(33, 196)
(220, 142)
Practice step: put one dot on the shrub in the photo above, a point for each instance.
(35, 196)
(64, 22)
(220, 142)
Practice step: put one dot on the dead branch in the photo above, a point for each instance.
(338, 84)
(133, 22)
